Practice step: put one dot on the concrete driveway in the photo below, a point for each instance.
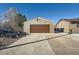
(40, 47)
(65, 45)
(44, 44)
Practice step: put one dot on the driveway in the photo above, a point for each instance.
(65, 45)
(44, 44)
(40, 47)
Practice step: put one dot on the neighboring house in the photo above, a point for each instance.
(38, 25)
(67, 25)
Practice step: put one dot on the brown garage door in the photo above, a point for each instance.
(39, 28)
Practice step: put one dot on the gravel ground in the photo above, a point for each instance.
(4, 42)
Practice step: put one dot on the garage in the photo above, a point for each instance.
(38, 25)
(39, 28)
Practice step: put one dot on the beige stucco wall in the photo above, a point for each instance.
(65, 25)
(40, 21)
(74, 28)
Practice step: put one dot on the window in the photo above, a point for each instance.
(62, 29)
(77, 24)
(58, 30)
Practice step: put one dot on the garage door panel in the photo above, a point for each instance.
(39, 29)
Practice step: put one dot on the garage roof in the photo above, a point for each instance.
(39, 18)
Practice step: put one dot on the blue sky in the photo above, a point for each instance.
(53, 11)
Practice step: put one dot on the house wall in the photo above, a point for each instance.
(74, 27)
(67, 25)
(63, 24)
(40, 22)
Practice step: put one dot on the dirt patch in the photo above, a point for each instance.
(4, 42)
